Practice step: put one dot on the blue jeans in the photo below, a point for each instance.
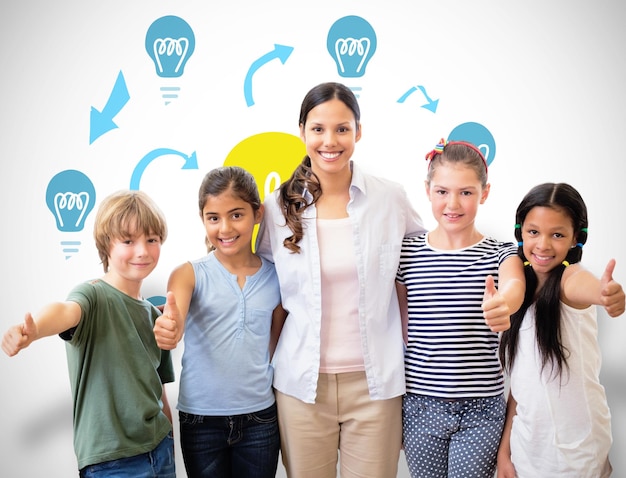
(232, 446)
(158, 463)
(452, 438)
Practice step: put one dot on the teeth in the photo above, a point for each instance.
(228, 241)
(329, 155)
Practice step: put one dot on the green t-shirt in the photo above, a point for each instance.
(116, 373)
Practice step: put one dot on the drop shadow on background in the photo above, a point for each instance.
(52, 421)
(46, 424)
(614, 380)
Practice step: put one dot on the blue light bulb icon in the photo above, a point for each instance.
(70, 196)
(351, 42)
(478, 135)
(170, 42)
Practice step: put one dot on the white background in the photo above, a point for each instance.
(546, 78)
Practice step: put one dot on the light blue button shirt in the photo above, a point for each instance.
(381, 216)
(226, 362)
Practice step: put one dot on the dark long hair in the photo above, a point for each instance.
(564, 198)
(291, 191)
(228, 178)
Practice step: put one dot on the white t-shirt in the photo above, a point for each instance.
(563, 426)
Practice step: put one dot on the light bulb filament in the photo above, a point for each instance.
(168, 47)
(67, 202)
(351, 46)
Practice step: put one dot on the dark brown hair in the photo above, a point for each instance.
(291, 194)
(228, 178)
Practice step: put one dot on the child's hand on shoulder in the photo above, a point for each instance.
(495, 309)
(19, 336)
(166, 327)
(612, 295)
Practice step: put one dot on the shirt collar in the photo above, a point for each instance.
(357, 182)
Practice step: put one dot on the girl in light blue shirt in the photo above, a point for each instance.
(227, 302)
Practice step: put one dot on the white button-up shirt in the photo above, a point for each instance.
(381, 216)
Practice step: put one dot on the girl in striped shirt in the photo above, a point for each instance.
(457, 290)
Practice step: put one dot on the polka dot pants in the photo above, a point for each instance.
(452, 439)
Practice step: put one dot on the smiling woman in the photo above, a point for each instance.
(323, 231)
(491, 64)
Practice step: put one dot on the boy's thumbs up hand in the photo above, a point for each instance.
(19, 336)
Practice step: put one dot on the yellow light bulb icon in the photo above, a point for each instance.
(270, 157)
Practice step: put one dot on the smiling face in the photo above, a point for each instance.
(131, 260)
(455, 192)
(229, 222)
(547, 235)
(330, 134)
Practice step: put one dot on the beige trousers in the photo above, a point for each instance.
(366, 433)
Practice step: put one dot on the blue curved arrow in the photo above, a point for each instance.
(403, 98)
(431, 105)
(191, 162)
(102, 122)
(281, 52)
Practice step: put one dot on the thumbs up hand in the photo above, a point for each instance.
(612, 295)
(19, 336)
(495, 309)
(168, 328)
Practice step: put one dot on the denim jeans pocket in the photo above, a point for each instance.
(269, 415)
(189, 419)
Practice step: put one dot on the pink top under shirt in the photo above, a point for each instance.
(340, 350)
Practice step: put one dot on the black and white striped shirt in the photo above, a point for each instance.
(451, 352)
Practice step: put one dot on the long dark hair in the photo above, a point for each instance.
(228, 178)
(564, 198)
(291, 191)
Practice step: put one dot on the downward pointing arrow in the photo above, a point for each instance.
(431, 105)
(102, 122)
